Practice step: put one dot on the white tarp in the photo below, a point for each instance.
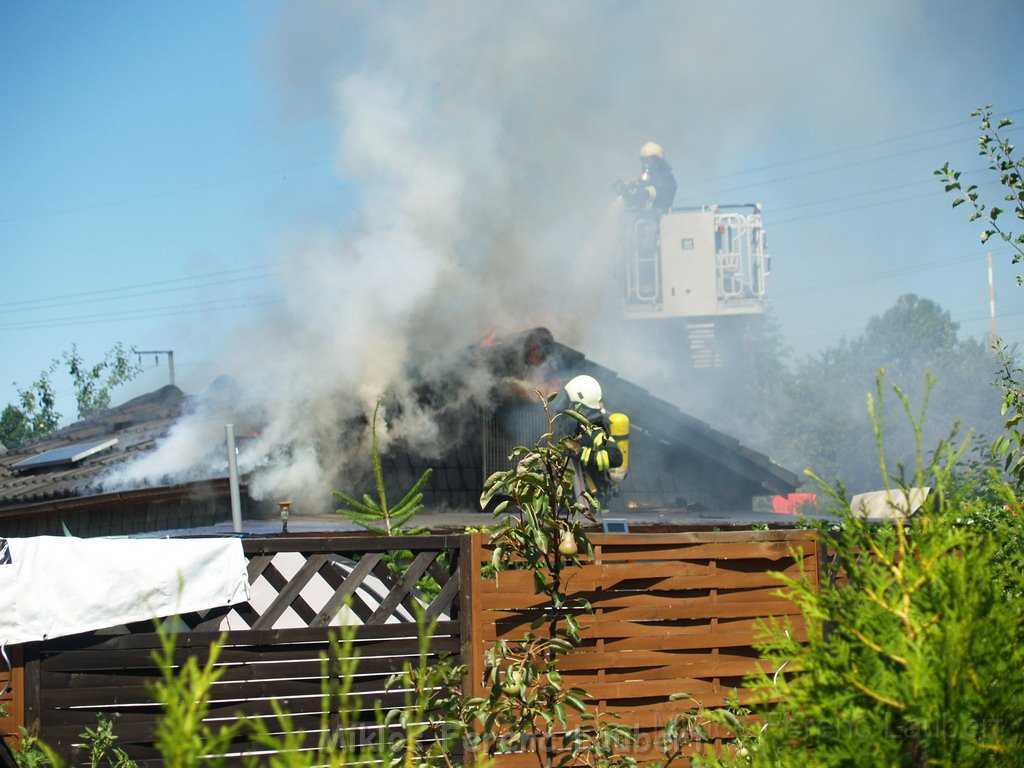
(60, 585)
(889, 505)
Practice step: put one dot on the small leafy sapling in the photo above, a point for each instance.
(374, 514)
(542, 528)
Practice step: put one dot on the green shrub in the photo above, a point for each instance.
(915, 652)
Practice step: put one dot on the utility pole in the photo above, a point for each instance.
(156, 359)
(993, 334)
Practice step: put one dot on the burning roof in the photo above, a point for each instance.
(489, 404)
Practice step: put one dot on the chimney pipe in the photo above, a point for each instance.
(236, 501)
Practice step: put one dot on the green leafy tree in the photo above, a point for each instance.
(820, 421)
(999, 152)
(914, 652)
(93, 383)
(1009, 446)
(36, 415)
(15, 427)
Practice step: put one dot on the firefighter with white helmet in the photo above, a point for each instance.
(596, 452)
(586, 390)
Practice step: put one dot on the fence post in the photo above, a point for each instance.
(469, 574)
(13, 697)
(470, 620)
(32, 694)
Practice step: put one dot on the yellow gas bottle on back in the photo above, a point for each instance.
(619, 423)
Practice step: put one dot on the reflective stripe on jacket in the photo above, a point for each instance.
(598, 453)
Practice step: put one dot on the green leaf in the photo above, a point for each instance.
(572, 625)
(560, 713)
(575, 702)
(540, 540)
(579, 417)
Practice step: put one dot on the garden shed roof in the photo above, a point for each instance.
(677, 461)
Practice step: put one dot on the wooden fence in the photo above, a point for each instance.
(673, 612)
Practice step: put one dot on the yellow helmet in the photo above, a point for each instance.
(650, 149)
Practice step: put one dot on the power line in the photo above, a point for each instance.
(134, 290)
(195, 286)
(837, 198)
(148, 313)
(893, 201)
(874, 276)
(843, 166)
(164, 193)
(844, 150)
(857, 147)
(974, 316)
(930, 181)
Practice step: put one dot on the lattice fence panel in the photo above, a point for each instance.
(276, 645)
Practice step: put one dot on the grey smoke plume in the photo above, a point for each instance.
(484, 139)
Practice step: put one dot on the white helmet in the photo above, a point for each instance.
(584, 389)
(650, 149)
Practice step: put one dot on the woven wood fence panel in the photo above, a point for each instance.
(672, 613)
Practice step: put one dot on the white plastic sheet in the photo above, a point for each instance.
(60, 585)
(888, 505)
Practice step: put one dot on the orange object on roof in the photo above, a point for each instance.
(790, 505)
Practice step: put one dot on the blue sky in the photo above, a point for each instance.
(169, 169)
(145, 181)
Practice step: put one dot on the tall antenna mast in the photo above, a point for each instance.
(993, 334)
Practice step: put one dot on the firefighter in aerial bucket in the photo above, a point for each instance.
(655, 190)
(600, 455)
(642, 203)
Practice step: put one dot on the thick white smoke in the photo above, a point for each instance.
(484, 139)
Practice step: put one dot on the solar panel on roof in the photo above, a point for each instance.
(68, 454)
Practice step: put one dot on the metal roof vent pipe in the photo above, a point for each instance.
(285, 507)
(236, 499)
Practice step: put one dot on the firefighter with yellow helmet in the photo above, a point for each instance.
(600, 460)
(655, 189)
